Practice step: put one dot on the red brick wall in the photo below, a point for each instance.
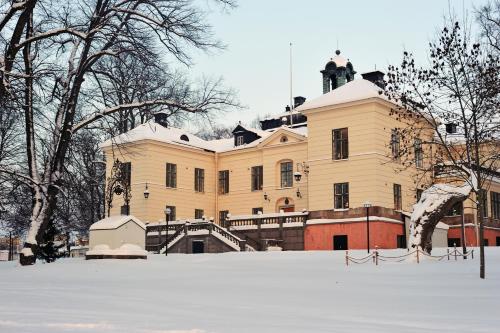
(470, 235)
(382, 234)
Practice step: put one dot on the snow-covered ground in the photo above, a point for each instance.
(250, 292)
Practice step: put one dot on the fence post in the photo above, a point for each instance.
(418, 258)
(11, 248)
(472, 254)
(376, 255)
(347, 258)
(448, 253)
(455, 246)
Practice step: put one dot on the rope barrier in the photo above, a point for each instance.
(376, 256)
(397, 257)
(359, 262)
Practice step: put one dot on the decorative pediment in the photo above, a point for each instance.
(283, 136)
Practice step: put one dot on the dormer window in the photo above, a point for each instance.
(240, 140)
(451, 128)
(184, 137)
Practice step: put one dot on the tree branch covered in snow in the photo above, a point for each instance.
(53, 67)
(448, 110)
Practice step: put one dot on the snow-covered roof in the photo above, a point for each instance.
(281, 115)
(157, 132)
(339, 60)
(355, 90)
(172, 135)
(257, 131)
(114, 222)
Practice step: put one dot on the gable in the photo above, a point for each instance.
(281, 137)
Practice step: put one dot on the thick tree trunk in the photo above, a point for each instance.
(435, 202)
(41, 213)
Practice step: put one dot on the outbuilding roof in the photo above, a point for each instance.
(114, 222)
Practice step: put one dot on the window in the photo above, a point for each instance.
(395, 144)
(171, 216)
(398, 205)
(484, 195)
(257, 178)
(240, 140)
(198, 213)
(419, 154)
(283, 139)
(223, 216)
(171, 175)
(419, 194)
(495, 205)
(340, 144)
(401, 241)
(224, 182)
(256, 211)
(199, 180)
(286, 174)
(456, 210)
(126, 171)
(125, 210)
(451, 128)
(454, 242)
(341, 195)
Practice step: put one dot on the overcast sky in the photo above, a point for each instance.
(258, 33)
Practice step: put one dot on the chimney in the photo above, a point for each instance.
(161, 118)
(298, 101)
(376, 77)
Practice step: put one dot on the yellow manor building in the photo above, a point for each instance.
(328, 158)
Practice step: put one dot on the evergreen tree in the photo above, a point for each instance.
(49, 249)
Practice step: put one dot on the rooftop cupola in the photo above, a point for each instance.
(337, 72)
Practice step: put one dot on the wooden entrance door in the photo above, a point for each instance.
(288, 209)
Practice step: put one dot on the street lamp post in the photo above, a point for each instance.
(367, 205)
(167, 214)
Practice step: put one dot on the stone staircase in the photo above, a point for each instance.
(156, 242)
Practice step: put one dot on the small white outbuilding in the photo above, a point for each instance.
(122, 236)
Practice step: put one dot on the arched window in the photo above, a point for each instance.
(184, 137)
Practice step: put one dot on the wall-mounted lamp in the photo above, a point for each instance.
(304, 167)
(146, 192)
(299, 195)
(266, 197)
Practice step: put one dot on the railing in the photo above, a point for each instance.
(168, 238)
(229, 236)
(283, 219)
(188, 228)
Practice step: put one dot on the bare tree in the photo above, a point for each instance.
(488, 17)
(49, 70)
(459, 87)
(215, 133)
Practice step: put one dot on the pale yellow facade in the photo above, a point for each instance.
(368, 169)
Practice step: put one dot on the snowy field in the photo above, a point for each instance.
(250, 292)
